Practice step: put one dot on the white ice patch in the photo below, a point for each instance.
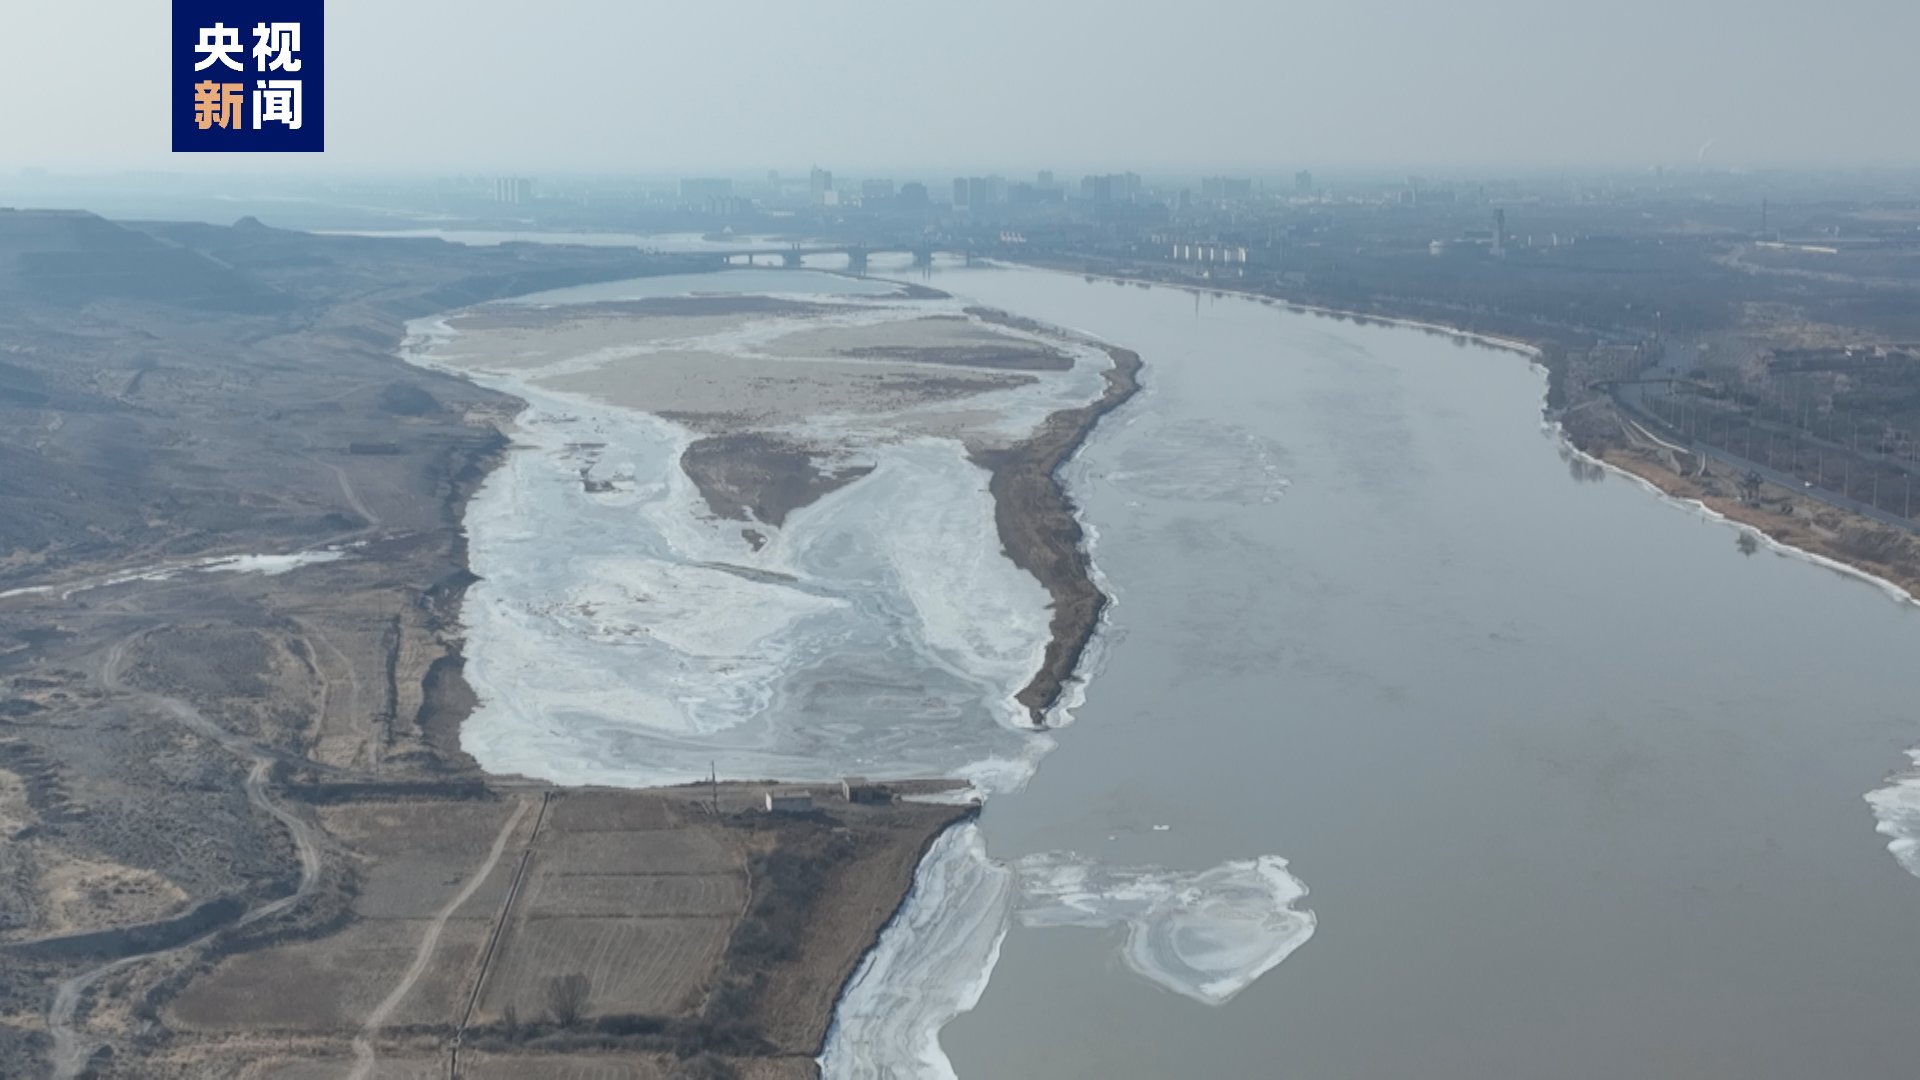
(270, 565)
(1204, 463)
(696, 610)
(623, 635)
(629, 637)
(929, 518)
(930, 965)
(1897, 806)
(1207, 935)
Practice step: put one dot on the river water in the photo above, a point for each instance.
(1416, 746)
(1575, 784)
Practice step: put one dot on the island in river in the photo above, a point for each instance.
(807, 529)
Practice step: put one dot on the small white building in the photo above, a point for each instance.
(859, 789)
(789, 802)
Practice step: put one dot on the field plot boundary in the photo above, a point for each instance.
(493, 936)
(675, 947)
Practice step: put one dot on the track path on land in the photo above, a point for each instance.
(363, 1052)
(353, 498)
(334, 720)
(71, 1051)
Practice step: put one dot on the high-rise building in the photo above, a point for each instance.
(700, 189)
(819, 184)
(1032, 195)
(513, 189)
(1499, 233)
(876, 189)
(1224, 189)
(975, 193)
(1303, 183)
(912, 193)
(1046, 178)
(1113, 187)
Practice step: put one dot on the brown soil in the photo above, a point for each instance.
(1009, 320)
(700, 924)
(248, 788)
(754, 477)
(860, 897)
(1787, 517)
(1041, 535)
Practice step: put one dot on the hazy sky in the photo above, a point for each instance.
(745, 85)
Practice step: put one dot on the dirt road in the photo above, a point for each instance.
(363, 1052)
(71, 1051)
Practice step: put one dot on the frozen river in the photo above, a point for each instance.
(1416, 746)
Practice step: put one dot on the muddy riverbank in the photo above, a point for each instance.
(1036, 518)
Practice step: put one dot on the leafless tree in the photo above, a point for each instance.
(567, 998)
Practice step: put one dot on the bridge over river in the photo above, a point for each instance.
(792, 255)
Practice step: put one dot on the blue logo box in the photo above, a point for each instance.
(249, 76)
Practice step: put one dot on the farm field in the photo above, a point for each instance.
(687, 919)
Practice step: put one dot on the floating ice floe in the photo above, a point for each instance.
(1897, 806)
(1205, 934)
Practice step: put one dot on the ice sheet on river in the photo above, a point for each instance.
(930, 965)
(1211, 462)
(1205, 934)
(1897, 806)
(625, 638)
(619, 633)
(622, 634)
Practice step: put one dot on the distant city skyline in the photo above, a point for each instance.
(869, 87)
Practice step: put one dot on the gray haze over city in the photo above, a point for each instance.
(601, 85)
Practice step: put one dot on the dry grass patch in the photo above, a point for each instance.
(81, 894)
(330, 985)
